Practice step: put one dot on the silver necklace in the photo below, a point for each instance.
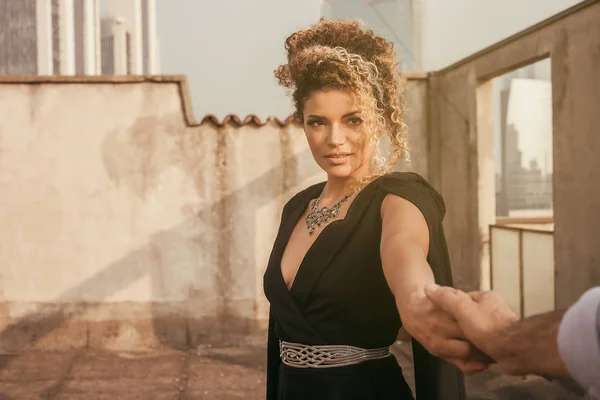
(316, 217)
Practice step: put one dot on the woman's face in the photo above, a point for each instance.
(336, 133)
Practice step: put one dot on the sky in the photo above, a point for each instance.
(457, 28)
(229, 48)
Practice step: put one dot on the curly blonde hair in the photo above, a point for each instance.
(342, 55)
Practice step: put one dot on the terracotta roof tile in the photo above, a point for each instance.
(249, 120)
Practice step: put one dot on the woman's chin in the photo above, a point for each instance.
(339, 171)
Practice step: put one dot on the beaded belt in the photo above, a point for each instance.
(328, 356)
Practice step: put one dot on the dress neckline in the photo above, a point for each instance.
(312, 195)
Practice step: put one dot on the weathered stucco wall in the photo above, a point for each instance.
(461, 149)
(125, 226)
(111, 202)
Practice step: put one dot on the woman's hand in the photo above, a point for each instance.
(440, 334)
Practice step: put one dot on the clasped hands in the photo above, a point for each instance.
(462, 328)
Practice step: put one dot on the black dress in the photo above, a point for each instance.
(340, 297)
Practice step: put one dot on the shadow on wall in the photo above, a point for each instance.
(174, 325)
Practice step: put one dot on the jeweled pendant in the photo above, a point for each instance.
(319, 217)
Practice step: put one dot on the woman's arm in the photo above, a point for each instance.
(404, 249)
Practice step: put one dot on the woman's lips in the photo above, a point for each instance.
(337, 159)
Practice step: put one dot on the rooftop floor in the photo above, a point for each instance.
(217, 372)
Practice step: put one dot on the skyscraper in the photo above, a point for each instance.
(63, 37)
(524, 140)
(150, 37)
(47, 37)
(116, 47)
(25, 37)
(86, 37)
(398, 21)
(66, 37)
(138, 18)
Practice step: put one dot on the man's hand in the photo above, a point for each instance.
(480, 315)
(439, 333)
(519, 347)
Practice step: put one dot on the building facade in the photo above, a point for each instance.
(136, 20)
(524, 142)
(70, 37)
(19, 44)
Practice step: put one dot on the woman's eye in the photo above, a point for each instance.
(315, 123)
(355, 121)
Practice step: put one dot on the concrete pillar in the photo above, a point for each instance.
(575, 83)
(486, 186)
(44, 37)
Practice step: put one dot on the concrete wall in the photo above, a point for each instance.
(417, 119)
(127, 225)
(461, 149)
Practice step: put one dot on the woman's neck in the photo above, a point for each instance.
(336, 188)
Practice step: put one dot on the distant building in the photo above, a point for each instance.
(527, 188)
(87, 37)
(150, 38)
(25, 37)
(138, 20)
(66, 37)
(116, 47)
(399, 21)
(524, 146)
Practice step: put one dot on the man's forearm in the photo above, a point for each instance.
(530, 347)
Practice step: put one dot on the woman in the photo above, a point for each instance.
(351, 251)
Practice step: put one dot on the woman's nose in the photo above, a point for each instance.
(336, 135)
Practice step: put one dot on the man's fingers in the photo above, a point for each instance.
(450, 300)
(451, 348)
(476, 296)
(468, 367)
(480, 356)
(464, 350)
